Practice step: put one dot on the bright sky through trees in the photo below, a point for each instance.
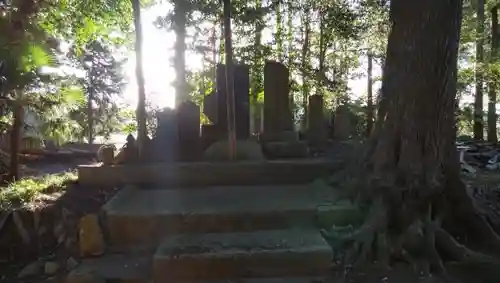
(159, 73)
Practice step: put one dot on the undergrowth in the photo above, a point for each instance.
(24, 192)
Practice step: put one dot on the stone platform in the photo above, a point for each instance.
(193, 174)
(176, 229)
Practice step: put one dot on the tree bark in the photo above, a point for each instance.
(228, 48)
(304, 65)
(90, 112)
(411, 162)
(179, 24)
(16, 135)
(257, 69)
(478, 102)
(369, 97)
(142, 131)
(492, 90)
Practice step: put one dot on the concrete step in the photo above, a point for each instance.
(119, 268)
(138, 217)
(208, 174)
(225, 256)
(130, 268)
(310, 279)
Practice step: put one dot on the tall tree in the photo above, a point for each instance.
(179, 22)
(228, 49)
(478, 102)
(103, 85)
(142, 131)
(305, 63)
(414, 186)
(369, 96)
(492, 92)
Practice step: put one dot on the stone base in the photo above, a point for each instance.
(288, 136)
(245, 150)
(193, 174)
(285, 149)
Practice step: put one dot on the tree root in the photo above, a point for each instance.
(424, 245)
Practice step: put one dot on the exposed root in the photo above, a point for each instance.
(424, 244)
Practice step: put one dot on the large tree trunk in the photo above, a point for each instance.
(412, 163)
(478, 101)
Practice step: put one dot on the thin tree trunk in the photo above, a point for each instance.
(90, 112)
(15, 136)
(478, 102)
(290, 51)
(492, 94)
(321, 58)
(279, 31)
(229, 80)
(222, 47)
(214, 51)
(142, 131)
(179, 23)
(369, 97)
(304, 66)
(257, 69)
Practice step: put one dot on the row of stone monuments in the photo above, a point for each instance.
(178, 136)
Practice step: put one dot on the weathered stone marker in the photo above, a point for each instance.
(215, 104)
(279, 138)
(341, 123)
(210, 105)
(316, 123)
(164, 145)
(277, 113)
(188, 130)
(241, 99)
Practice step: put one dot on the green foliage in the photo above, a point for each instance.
(30, 49)
(22, 193)
(102, 85)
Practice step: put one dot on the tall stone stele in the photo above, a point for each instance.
(316, 123)
(277, 112)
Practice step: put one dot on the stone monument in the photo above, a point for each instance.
(279, 138)
(164, 146)
(316, 123)
(215, 105)
(188, 131)
(277, 112)
(341, 123)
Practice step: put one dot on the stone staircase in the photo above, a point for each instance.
(251, 222)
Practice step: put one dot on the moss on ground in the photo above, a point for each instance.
(23, 193)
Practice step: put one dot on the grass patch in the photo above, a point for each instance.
(23, 192)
